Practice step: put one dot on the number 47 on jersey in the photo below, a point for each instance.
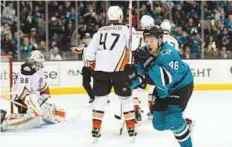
(103, 38)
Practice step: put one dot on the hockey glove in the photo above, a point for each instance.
(143, 84)
(144, 59)
(131, 76)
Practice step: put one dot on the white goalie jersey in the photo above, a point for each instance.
(109, 48)
(28, 81)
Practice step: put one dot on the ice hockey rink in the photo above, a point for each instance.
(211, 110)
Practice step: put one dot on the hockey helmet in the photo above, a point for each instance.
(147, 22)
(115, 13)
(155, 31)
(166, 26)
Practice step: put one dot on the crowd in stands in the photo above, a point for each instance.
(54, 26)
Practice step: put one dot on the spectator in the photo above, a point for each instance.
(25, 48)
(210, 50)
(67, 6)
(196, 46)
(34, 38)
(224, 40)
(71, 16)
(6, 45)
(135, 20)
(55, 30)
(219, 14)
(42, 49)
(55, 56)
(208, 14)
(6, 29)
(68, 34)
(42, 46)
(60, 12)
(8, 14)
(186, 52)
(182, 37)
(190, 27)
(42, 27)
(14, 41)
(90, 19)
(185, 16)
(228, 23)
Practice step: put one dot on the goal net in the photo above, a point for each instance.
(6, 78)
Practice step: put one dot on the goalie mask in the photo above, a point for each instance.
(36, 59)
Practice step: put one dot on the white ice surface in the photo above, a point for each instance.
(212, 111)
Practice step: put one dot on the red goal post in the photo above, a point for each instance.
(6, 78)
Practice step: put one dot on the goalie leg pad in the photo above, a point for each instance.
(23, 121)
(32, 105)
(60, 113)
(2, 120)
(51, 114)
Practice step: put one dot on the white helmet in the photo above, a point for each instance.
(166, 26)
(115, 13)
(37, 58)
(147, 21)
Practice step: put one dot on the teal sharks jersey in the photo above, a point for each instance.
(169, 72)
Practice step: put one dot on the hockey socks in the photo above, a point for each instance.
(138, 110)
(130, 122)
(129, 114)
(97, 121)
(150, 104)
(183, 136)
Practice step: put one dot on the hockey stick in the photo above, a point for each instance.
(78, 71)
(117, 117)
(13, 101)
(123, 122)
(130, 49)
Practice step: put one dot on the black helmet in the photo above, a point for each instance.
(155, 31)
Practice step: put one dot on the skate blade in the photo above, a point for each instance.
(2, 129)
(132, 139)
(191, 127)
(95, 140)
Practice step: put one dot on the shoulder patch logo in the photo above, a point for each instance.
(165, 52)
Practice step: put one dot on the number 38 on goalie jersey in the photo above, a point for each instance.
(29, 81)
(109, 47)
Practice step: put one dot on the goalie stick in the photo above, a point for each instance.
(13, 101)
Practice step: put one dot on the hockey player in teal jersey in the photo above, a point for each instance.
(173, 81)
